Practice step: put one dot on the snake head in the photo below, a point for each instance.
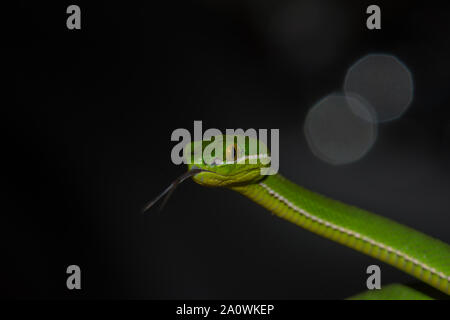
(227, 160)
(222, 161)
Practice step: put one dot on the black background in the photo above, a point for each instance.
(87, 143)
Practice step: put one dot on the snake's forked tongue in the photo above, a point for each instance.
(170, 189)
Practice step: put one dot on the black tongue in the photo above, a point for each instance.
(170, 189)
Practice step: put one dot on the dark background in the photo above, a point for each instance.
(87, 143)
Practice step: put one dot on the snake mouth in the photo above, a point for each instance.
(229, 175)
(215, 179)
(193, 172)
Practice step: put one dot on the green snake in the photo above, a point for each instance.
(411, 251)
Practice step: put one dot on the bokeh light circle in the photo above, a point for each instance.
(382, 81)
(336, 133)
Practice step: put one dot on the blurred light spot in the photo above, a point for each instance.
(335, 133)
(383, 82)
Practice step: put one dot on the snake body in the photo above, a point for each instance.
(411, 251)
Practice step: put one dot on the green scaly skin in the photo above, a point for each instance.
(413, 252)
(392, 292)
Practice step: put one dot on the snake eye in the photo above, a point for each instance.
(232, 152)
